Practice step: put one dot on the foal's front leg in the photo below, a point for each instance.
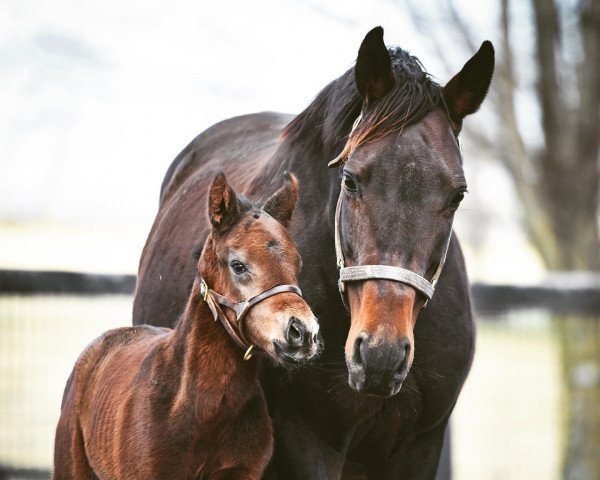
(247, 446)
(234, 474)
(70, 459)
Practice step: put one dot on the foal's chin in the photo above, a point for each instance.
(278, 351)
(283, 357)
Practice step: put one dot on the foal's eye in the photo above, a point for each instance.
(349, 183)
(238, 267)
(458, 197)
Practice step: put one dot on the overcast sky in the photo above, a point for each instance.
(98, 97)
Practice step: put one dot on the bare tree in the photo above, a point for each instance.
(557, 181)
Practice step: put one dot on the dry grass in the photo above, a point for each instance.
(506, 424)
(40, 339)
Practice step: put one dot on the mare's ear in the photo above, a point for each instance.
(223, 208)
(281, 204)
(373, 71)
(465, 92)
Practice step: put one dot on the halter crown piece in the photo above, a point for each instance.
(386, 272)
(235, 328)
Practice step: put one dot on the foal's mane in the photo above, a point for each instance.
(335, 108)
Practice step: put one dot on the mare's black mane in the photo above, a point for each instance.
(335, 108)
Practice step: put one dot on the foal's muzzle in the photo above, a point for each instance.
(299, 345)
(235, 328)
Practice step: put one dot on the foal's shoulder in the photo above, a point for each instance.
(100, 349)
(126, 335)
(118, 338)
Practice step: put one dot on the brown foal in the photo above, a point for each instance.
(154, 403)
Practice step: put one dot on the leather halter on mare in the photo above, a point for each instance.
(235, 329)
(386, 272)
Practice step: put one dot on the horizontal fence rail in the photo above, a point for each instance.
(10, 473)
(560, 294)
(496, 298)
(40, 282)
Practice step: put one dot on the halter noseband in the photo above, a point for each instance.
(235, 329)
(386, 272)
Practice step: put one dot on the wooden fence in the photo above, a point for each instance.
(558, 295)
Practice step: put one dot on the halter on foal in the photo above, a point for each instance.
(153, 403)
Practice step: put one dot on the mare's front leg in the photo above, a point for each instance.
(300, 451)
(417, 460)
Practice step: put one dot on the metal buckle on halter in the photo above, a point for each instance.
(203, 289)
(340, 160)
(341, 286)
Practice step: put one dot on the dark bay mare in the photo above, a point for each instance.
(376, 403)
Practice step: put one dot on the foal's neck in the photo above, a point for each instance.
(211, 362)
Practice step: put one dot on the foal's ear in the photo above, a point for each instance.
(281, 204)
(373, 71)
(465, 92)
(223, 208)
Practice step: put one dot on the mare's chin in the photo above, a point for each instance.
(375, 385)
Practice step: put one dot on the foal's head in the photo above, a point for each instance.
(249, 251)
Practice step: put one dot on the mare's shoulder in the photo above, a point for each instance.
(242, 133)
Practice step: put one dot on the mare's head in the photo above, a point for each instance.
(250, 251)
(402, 182)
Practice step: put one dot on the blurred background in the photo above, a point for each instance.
(97, 98)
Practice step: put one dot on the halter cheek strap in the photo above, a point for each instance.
(387, 272)
(235, 329)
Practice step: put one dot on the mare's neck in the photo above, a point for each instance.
(210, 361)
(307, 147)
(305, 153)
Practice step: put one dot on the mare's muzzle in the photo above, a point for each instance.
(378, 368)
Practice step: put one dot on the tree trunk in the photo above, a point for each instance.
(580, 345)
(568, 174)
(557, 184)
(569, 180)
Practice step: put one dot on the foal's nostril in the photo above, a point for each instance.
(295, 332)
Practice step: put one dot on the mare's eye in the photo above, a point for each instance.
(349, 183)
(238, 267)
(458, 197)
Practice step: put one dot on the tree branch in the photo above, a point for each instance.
(552, 105)
(461, 26)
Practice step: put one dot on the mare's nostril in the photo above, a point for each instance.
(295, 332)
(359, 346)
(404, 353)
(407, 351)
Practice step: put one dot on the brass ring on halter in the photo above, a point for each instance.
(248, 354)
